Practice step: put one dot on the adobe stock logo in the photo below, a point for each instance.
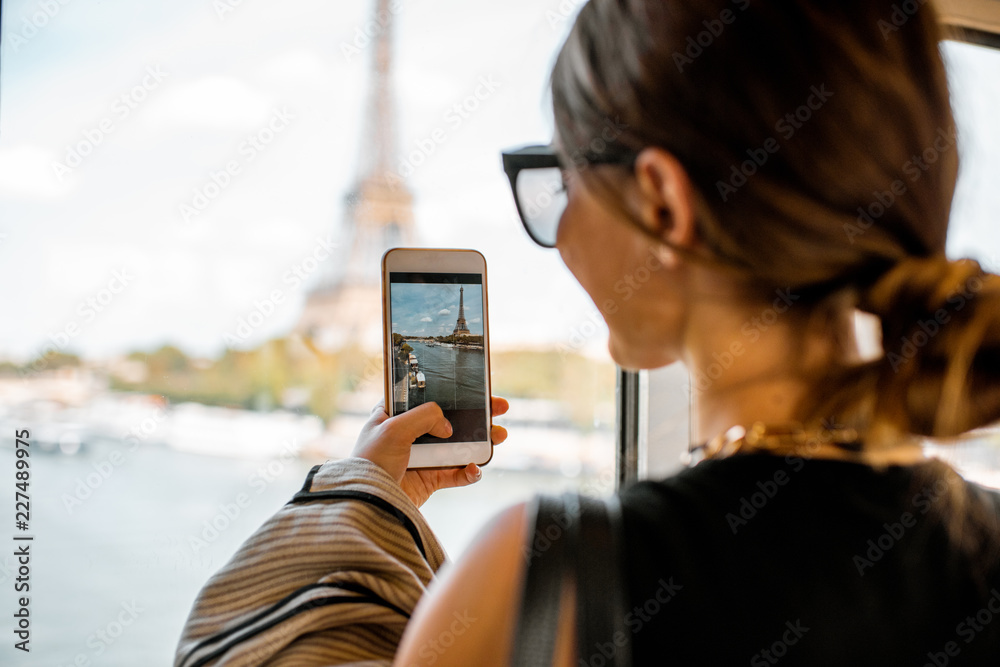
(30, 25)
(123, 106)
(365, 35)
(220, 179)
(901, 13)
(785, 127)
(695, 46)
(779, 649)
(913, 169)
(89, 308)
(266, 306)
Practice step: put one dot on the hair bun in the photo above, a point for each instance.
(940, 339)
(918, 287)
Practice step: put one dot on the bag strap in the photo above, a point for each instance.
(535, 637)
(573, 538)
(600, 606)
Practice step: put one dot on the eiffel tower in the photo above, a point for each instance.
(345, 307)
(461, 328)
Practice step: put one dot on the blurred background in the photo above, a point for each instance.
(195, 198)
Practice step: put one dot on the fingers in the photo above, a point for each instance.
(426, 418)
(378, 414)
(473, 473)
(498, 406)
(430, 418)
(420, 484)
(470, 474)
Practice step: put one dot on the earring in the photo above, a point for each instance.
(664, 255)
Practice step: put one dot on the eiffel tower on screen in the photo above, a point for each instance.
(461, 328)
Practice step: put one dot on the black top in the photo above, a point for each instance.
(760, 560)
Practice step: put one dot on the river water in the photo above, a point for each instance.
(136, 536)
(455, 376)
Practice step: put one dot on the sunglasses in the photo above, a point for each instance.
(537, 180)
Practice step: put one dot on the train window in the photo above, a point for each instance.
(975, 89)
(202, 194)
(197, 195)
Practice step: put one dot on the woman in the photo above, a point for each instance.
(780, 166)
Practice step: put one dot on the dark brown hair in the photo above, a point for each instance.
(820, 142)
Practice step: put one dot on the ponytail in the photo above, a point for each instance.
(939, 375)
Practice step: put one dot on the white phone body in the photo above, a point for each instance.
(421, 290)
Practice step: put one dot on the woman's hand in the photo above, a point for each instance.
(386, 441)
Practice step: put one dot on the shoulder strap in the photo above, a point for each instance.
(578, 538)
(600, 601)
(545, 567)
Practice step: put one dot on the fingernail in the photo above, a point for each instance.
(450, 429)
(474, 473)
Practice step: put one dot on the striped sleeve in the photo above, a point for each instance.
(330, 579)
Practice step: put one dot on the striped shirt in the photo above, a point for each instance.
(330, 579)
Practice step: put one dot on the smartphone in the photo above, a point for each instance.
(436, 347)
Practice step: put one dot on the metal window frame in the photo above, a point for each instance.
(975, 36)
(627, 417)
(971, 21)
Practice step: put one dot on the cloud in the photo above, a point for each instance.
(394, 324)
(475, 320)
(444, 311)
(212, 101)
(26, 171)
(426, 319)
(298, 66)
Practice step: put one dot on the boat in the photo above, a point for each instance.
(421, 381)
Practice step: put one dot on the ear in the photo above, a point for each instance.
(665, 197)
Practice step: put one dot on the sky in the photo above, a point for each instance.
(429, 309)
(166, 166)
(198, 89)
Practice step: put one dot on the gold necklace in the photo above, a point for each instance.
(791, 439)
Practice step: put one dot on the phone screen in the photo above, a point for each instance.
(438, 349)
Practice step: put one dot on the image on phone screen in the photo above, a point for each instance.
(438, 349)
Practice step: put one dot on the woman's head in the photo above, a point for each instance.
(804, 148)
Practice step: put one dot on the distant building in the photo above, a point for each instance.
(461, 328)
(346, 306)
